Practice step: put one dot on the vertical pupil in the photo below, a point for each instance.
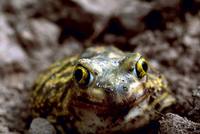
(144, 66)
(78, 74)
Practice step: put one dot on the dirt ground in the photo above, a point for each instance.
(34, 34)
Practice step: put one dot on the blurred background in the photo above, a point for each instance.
(35, 33)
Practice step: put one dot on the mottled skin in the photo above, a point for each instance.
(115, 99)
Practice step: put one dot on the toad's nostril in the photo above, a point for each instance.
(125, 88)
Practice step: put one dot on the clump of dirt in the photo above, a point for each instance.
(175, 124)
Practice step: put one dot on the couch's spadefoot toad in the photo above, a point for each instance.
(104, 90)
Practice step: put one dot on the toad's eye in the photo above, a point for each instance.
(141, 68)
(82, 76)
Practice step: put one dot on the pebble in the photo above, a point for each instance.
(41, 126)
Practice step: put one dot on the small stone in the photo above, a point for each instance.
(45, 32)
(40, 39)
(10, 51)
(38, 32)
(41, 126)
(5, 28)
(196, 92)
(20, 7)
(190, 41)
(127, 11)
(130, 12)
(193, 26)
(69, 47)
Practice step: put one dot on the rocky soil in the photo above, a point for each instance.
(34, 34)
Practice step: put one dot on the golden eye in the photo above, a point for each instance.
(141, 68)
(82, 76)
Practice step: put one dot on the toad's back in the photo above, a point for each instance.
(52, 88)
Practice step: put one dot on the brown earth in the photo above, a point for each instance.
(35, 33)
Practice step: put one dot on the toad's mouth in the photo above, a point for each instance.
(85, 103)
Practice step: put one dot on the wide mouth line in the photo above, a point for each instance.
(86, 104)
(86, 101)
